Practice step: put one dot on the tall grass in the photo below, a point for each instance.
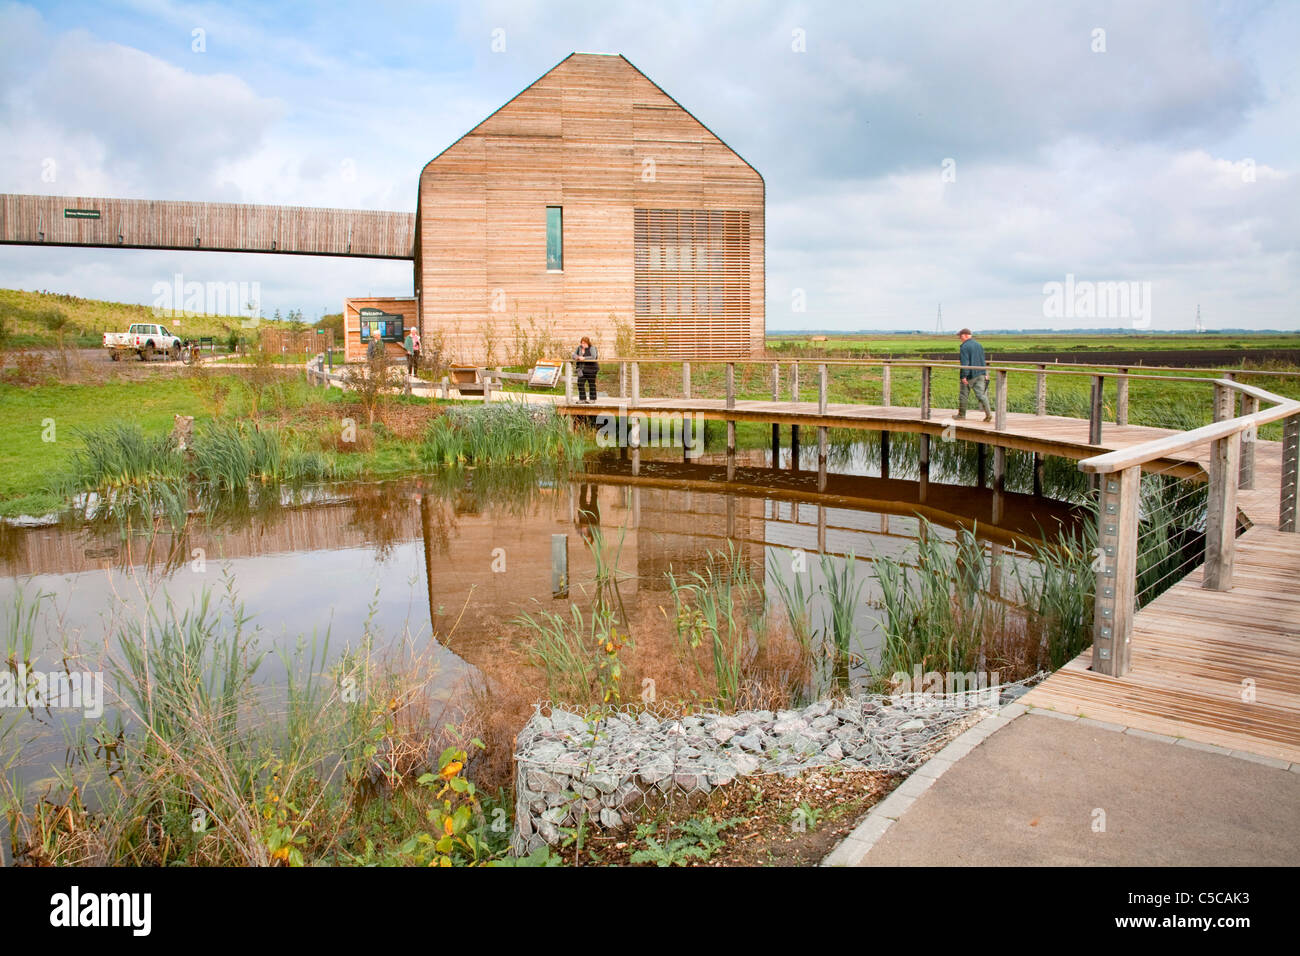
(126, 469)
(720, 609)
(1056, 590)
(938, 615)
(207, 765)
(500, 432)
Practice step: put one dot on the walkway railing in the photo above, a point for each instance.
(1232, 442)
(1231, 465)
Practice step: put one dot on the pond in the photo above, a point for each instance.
(446, 563)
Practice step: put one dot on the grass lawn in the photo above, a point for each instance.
(30, 415)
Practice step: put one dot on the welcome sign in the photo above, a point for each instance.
(383, 325)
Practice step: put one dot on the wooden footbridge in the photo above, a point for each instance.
(1216, 657)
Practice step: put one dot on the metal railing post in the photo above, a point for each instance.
(1290, 470)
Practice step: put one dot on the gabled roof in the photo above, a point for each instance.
(556, 67)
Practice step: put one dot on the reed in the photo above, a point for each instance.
(938, 615)
(498, 433)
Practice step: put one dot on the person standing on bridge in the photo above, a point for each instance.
(584, 357)
(974, 375)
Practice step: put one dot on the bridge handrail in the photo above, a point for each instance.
(1012, 364)
(1149, 451)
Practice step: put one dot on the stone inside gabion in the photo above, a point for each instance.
(606, 770)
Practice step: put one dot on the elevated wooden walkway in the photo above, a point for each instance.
(1220, 667)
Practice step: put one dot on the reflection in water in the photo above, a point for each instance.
(452, 557)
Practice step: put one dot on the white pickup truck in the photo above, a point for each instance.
(144, 339)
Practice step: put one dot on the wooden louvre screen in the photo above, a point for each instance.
(692, 282)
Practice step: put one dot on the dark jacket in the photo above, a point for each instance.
(586, 360)
(972, 358)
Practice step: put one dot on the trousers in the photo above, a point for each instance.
(980, 386)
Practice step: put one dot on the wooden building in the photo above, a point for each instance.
(591, 204)
(387, 317)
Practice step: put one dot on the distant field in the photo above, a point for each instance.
(885, 345)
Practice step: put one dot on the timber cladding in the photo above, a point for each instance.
(209, 226)
(354, 350)
(663, 225)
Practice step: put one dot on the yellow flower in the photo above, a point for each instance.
(452, 769)
(281, 854)
(609, 647)
(448, 827)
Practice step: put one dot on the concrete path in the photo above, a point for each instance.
(1037, 790)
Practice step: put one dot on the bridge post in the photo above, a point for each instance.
(924, 466)
(634, 441)
(731, 423)
(981, 458)
(1041, 390)
(446, 388)
(884, 454)
(1121, 398)
(1290, 471)
(1221, 512)
(821, 389)
(1115, 599)
(686, 380)
(568, 383)
(1000, 409)
(622, 380)
(794, 429)
(794, 381)
(776, 428)
(1094, 415)
(885, 383)
(823, 447)
(925, 394)
(1246, 478)
(999, 481)
(635, 398)
(1038, 474)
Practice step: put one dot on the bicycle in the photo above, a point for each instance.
(191, 354)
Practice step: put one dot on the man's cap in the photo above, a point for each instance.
(964, 332)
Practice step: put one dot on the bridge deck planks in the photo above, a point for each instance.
(1193, 650)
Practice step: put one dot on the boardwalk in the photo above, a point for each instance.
(1218, 667)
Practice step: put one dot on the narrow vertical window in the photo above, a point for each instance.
(554, 238)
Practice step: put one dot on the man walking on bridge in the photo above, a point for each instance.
(974, 376)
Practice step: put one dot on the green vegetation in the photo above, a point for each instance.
(204, 767)
(30, 318)
(500, 432)
(1004, 346)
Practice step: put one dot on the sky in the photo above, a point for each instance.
(1003, 160)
